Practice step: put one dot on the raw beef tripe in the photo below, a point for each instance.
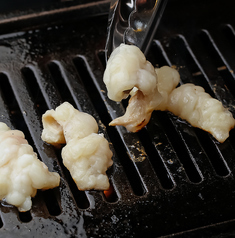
(192, 103)
(128, 73)
(140, 106)
(86, 154)
(21, 172)
(88, 159)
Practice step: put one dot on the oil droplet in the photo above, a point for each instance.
(170, 161)
(114, 219)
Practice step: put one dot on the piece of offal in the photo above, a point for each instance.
(129, 73)
(86, 155)
(21, 172)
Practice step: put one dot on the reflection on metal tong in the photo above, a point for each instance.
(133, 22)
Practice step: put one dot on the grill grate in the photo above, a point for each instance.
(184, 186)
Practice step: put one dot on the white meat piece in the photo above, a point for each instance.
(128, 72)
(193, 104)
(21, 172)
(87, 160)
(168, 79)
(65, 122)
(140, 107)
(87, 154)
(127, 68)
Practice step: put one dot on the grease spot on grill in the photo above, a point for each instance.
(200, 196)
(141, 152)
(157, 144)
(169, 161)
(114, 219)
(180, 169)
(91, 199)
(5, 204)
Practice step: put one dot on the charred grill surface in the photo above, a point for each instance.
(184, 185)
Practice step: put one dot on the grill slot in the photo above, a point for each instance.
(158, 55)
(87, 79)
(56, 73)
(46, 85)
(218, 62)
(213, 154)
(6, 99)
(187, 62)
(25, 216)
(205, 56)
(111, 195)
(1, 223)
(36, 94)
(179, 142)
(80, 196)
(51, 203)
(156, 157)
(14, 115)
(229, 34)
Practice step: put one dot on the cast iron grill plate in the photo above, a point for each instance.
(184, 187)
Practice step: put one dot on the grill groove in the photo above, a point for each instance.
(158, 159)
(25, 216)
(1, 223)
(51, 202)
(9, 104)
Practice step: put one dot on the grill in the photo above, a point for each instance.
(182, 183)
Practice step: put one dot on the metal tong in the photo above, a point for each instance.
(133, 22)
